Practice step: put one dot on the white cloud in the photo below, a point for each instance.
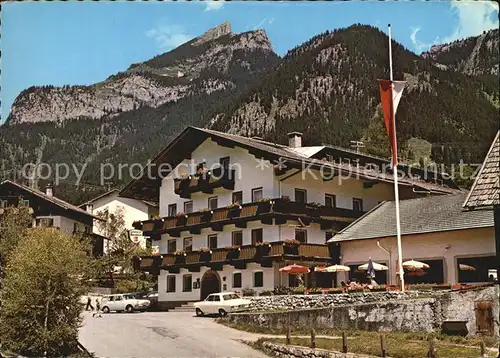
(168, 37)
(472, 19)
(264, 21)
(417, 44)
(214, 5)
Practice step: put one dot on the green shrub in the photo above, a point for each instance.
(266, 293)
(247, 292)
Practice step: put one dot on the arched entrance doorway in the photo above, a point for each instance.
(210, 283)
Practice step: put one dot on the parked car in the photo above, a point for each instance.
(123, 303)
(221, 303)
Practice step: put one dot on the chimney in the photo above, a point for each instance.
(294, 139)
(49, 191)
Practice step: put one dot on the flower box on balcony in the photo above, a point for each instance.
(291, 247)
(181, 219)
(157, 223)
(262, 249)
(180, 257)
(264, 205)
(206, 215)
(137, 225)
(233, 210)
(233, 252)
(205, 254)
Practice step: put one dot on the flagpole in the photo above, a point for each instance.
(395, 174)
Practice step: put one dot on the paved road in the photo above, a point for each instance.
(163, 334)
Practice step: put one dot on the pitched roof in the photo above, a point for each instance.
(148, 189)
(112, 191)
(418, 216)
(485, 191)
(59, 202)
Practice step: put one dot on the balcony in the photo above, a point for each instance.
(238, 257)
(278, 209)
(205, 182)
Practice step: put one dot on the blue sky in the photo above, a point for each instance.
(62, 43)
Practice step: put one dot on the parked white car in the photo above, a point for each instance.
(221, 303)
(123, 303)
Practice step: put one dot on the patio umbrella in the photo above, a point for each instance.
(376, 267)
(413, 265)
(334, 268)
(464, 267)
(294, 269)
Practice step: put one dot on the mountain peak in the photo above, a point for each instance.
(213, 33)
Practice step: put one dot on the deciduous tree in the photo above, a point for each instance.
(44, 281)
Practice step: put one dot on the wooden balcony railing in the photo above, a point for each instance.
(205, 182)
(247, 212)
(247, 253)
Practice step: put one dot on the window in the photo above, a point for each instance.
(357, 204)
(217, 298)
(3, 204)
(209, 298)
(171, 283)
(25, 202)
(200, 167)
(172, 209)
(301, 235)
(171, 246)
(257, 236)
(188, 244)
(87, 229)
(212, 202)
(258, 279)
(212, 241)
(238, 197)
(330, 201)
(75, 227)
(328, 235)
(118, 298)
(301, 195)
(237, 238)
(237, 280)
(45, 222)
(257, 194)
(187, 283)
(188, 207)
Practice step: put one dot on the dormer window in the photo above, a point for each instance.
(357, 204)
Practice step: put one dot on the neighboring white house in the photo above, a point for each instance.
(434, 230)
(50, 211)
(215, 199)
(132, 210)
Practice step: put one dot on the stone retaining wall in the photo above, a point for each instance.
(404, 315)
(384, 311)
(281, 351)
(287, 302)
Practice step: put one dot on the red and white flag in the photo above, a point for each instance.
(390, 95)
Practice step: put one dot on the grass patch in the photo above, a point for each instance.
(396, 346)
(400, 344)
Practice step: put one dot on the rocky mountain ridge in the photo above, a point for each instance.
(325, 88)
(198, 66)
(478, 55)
